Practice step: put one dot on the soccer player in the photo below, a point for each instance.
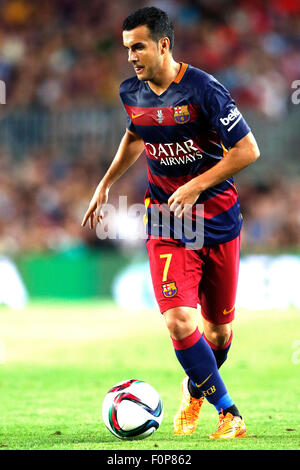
(194, 139)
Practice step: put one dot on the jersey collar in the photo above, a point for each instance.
(182, 70)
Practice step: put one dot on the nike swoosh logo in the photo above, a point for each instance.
(199, 385)
(225, 311)
(134, 116)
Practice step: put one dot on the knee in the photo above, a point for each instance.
(180, 322)
(219, 335)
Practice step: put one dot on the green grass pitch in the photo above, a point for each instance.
(58, 361)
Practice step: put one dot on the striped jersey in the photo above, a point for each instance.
(186, 130)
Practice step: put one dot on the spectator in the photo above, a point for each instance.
(58, 55)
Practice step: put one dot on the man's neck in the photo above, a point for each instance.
(164, 79)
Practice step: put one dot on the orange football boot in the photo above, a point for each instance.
(229, 427)
(186, 418)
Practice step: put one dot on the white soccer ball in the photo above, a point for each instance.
(132, 409)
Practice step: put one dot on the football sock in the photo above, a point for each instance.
(194, 391)
(199, 363)
(220, 354)
(233, 410)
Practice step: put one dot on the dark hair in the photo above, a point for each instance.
(157, 21)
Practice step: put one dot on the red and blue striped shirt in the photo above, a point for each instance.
(186, 130)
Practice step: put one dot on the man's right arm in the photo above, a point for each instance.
(130, 148)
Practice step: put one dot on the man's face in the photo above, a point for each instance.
(143, 53)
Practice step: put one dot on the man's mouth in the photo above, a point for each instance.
(138, 69)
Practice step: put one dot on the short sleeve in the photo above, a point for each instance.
(223, 114)
(123, 97)
(129, 124)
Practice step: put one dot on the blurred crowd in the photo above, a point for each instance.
(43, 200)
(61, 54)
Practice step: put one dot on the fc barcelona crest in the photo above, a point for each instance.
(169, 289)
(181, 114)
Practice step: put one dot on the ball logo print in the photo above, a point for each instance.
(132, 409)
(121, 386)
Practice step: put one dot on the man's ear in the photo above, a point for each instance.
(164, 45)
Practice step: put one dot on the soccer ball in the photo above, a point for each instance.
(132, 409)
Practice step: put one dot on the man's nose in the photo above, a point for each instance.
(132, 57)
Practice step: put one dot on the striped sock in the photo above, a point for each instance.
(220, 354)
(199, 363)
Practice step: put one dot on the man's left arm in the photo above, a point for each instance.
(242, 154)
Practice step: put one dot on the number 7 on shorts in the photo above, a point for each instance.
(168, 257)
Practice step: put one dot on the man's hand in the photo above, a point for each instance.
(100, 197)
(130, 148)
(244, 152)
(186, 195)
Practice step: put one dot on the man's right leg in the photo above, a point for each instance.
(186, 418)
(176, 273)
